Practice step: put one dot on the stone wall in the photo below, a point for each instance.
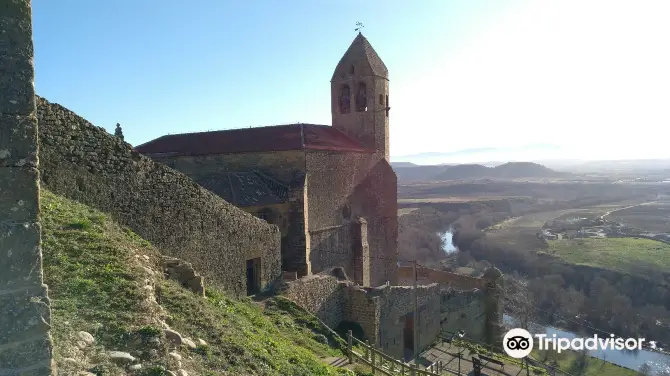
(395, 303)
(321, 294)
(472, 304)
(344, 186)
(463, 310)
(427, 276)
(85, 163)
(25, 316)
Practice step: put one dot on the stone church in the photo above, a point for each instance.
(329, 188)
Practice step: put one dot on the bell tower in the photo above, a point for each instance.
(360, 96)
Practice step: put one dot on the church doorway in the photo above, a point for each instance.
(253, 276)
(408, 336)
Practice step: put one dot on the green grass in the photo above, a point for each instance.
(96, 272)
(627, 255)
(569, 361)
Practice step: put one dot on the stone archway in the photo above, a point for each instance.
(356, 329)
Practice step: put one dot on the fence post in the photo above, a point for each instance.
(350, 348)
(374, 366)
(412, 369)
(367, 349)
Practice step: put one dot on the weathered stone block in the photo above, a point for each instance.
(21, 263)
(16, 38)
(17, 9)
(18, 140)
(28, 353)
(17, 90)
(19, 194)
(24, 314)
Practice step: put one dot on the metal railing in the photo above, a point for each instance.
(387, 365)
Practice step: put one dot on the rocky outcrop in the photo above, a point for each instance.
(184, 273)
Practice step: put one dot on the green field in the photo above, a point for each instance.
(628, 255)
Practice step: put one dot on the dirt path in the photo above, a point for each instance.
(602, 217)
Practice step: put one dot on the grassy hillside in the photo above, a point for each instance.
(105, 281)
(627, 255)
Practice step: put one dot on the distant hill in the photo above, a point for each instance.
(403, 164)
(418, 173)
(523, 170)
(510, 170)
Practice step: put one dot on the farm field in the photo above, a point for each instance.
(452, 199)
(651, 217)
(627, 255)
(519, 232)
(535, 221)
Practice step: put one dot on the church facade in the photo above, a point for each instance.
(329, 188)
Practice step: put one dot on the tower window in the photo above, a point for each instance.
(352, 70)
(361, 97)
(381, 99)
(344, 100)
(387, 106)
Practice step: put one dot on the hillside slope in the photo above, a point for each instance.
(114, 313)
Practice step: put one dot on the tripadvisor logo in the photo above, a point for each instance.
(518, 343)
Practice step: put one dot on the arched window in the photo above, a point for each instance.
(352, 70)
(361, 97)
(381, 99)
(344, 100)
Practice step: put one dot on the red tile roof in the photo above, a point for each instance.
(273, 138)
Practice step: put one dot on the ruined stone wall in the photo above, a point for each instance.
(25, 316)
(463, 310)
(342, 187)
(363, 308)
(395, 303)
(428, 276)
(322, 294)
(472, 304)
(85, 163)
(281, 165)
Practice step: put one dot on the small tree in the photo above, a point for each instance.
(118, 132)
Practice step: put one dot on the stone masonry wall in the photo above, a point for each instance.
(321, 294)
(398, 301)
(25, 316)
(344, 186)
(472, 304)
(363, 308)
(427, 276)
(463, 310)
(85, 163)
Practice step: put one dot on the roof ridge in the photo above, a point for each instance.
(240, 129)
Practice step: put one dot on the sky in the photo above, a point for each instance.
(589, 78)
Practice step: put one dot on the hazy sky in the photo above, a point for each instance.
(588, 75)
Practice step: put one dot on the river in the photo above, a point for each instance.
(629, 359)
(447, 239)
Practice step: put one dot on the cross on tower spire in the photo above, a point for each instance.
(359, 26)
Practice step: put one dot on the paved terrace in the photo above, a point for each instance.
(447, 353)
